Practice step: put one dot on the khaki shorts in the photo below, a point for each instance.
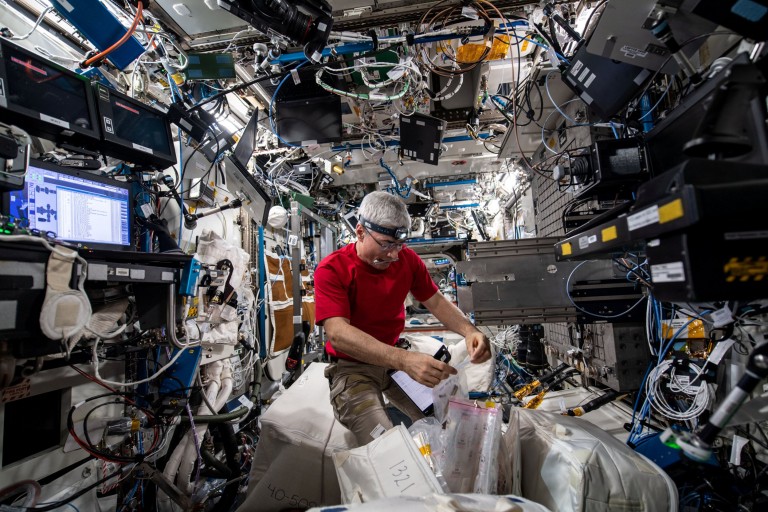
(357, 396)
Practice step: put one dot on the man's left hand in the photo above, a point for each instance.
(478, 346)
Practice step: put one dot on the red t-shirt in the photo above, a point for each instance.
(372, 299)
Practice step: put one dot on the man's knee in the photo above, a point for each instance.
(358, 405)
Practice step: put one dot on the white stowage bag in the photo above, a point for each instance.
(292, 466)
(443, 503)
(217, 329)
(388, 466)
(211, 249)
(569, 464)
(479, 377)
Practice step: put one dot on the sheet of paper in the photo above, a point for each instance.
(419, 393)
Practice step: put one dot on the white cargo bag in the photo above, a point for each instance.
(292, 466)
(478, 377)
(569, 464)
(444, 503)
(388, 466)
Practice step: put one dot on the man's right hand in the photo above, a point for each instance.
(426, 369)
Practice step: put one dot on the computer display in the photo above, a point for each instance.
(310, 121)
(44, 98)
(350, 220)
(133, 131)
(92, 211)
(246, 144)
(255, 200)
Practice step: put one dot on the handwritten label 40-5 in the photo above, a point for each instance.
(278, 494)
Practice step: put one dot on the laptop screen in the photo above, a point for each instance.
(77, 206)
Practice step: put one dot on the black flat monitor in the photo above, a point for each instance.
(308, 121)
(244, 149)
(256, 201)
(79, 207)
(133, 131)
(350, 220)
(45, 99)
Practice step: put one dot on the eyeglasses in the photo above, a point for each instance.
(385, 246)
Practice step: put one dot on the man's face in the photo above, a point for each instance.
(376, 249)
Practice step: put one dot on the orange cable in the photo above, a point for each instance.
(121, 41)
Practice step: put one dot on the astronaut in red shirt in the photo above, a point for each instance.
(359, 298)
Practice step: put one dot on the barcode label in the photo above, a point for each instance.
(643, 218)
(668, 272)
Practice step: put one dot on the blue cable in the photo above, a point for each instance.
(613, 128)
(130, 495)
(659, 324)
(554, 103)
(638, 268)
(657, 103)
(645, 409)
(660, 357)
(674, 336)
(397, 187)
(642, 384)
(525, 38)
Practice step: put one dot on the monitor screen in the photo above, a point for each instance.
(92, 211)
(350, 220)
(256, 201)
(310, 121)
(244, 148)
(132, 123)
(43, 97)
(134, 131)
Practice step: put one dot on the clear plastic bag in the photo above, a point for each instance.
(470, 446)
(426, 433)
(453, 386)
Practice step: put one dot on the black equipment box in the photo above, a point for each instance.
(720, 196)
(614, 169)
(444, 230)
(420, 137)
(23, 286)
(604, 84)
(725, 254)
(707, 264)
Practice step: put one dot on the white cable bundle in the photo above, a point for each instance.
(507, 340)
(701, 395)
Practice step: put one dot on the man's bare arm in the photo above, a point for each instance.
(451, 317)
(364, 347)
